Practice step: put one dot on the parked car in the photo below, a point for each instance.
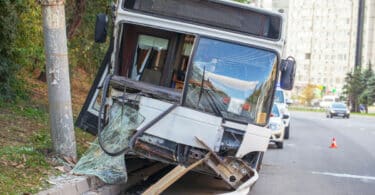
(283, 103)
(277, 126)
(337, 109)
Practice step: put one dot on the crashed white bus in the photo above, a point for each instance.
(200, 74)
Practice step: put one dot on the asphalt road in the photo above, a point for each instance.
(307, 165)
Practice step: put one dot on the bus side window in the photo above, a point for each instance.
(179, 73)
(149, 59)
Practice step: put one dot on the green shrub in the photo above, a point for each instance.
(9, 85)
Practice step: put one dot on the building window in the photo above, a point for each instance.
(308, 56)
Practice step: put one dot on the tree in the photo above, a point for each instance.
(371, 90)
(308, 94)
(78, 11)
(29, 42)
(10, 86)
(83, 50)
(367, 97)
(354, 87)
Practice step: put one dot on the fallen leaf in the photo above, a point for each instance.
(60, 168)
(13, 164)
(51, 182)
(70, 160)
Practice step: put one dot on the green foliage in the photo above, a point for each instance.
(354, 86)
(360, 88)
(29, 43)
(83, 51)
(10, 87)
(34, 113)
(42, 140)
(22, 45)
(367, 97)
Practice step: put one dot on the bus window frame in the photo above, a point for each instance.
(279, 38)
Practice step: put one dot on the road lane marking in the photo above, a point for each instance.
(361, 177)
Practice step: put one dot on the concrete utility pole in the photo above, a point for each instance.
(60, 106)
(359, 44)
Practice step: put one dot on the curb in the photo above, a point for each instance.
(80, 185)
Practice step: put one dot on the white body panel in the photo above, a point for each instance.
(255, 139)
(182, 124)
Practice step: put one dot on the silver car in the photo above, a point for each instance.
(337, 109)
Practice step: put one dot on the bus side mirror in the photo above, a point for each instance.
(288, 72)
(101, 28)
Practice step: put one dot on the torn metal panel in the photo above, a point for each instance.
(232, 170)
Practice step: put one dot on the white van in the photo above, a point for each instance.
(328, 100)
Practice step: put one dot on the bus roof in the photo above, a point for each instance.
(220, 14)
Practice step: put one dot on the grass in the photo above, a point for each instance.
(364, 114)
(24, 164)
(305, 109)
(26, 157)
(23, 169)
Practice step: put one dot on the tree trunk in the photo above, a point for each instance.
(79, 11)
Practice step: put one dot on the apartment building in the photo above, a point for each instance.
(322, 37)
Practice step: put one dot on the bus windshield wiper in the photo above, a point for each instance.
(213, 104)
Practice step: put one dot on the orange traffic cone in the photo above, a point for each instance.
(333, 143)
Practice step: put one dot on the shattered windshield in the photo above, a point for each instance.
(232, 81)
